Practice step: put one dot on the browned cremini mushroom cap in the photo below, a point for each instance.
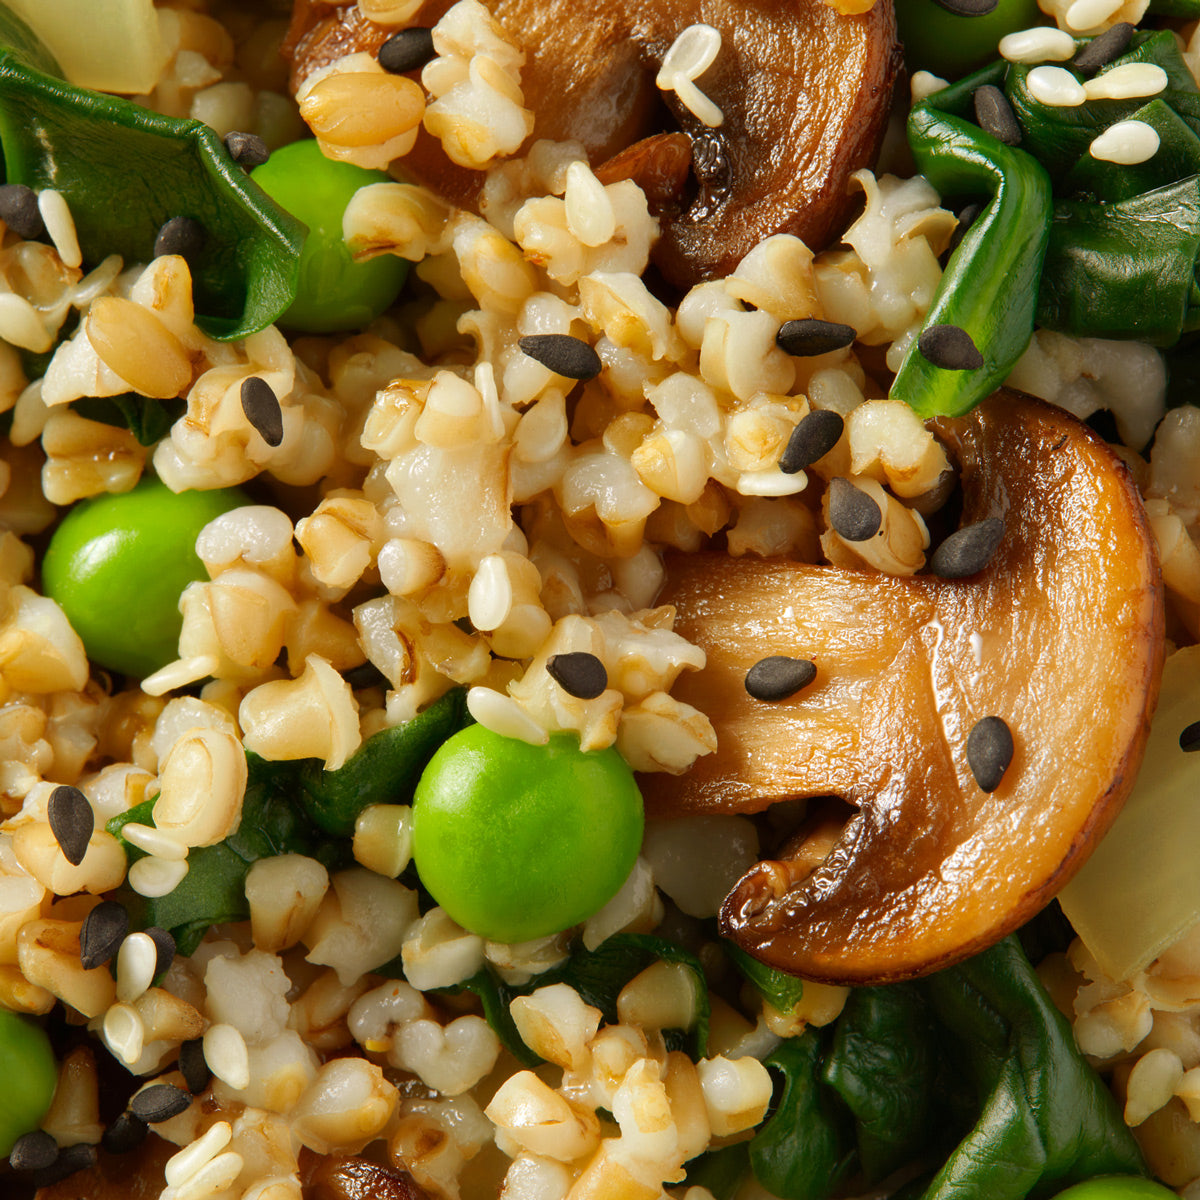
(805, 93)
(1060, 636)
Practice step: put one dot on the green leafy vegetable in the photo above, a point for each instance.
(598, 976)
(214, 889)
(1113, 254)
(1148, 290)
(977, 1052)
(1046, 1119)
(721, 1171)
(780, 991)
(990, 286)
(125, 171)
(883, 1065)
(384, 770)
(148, 420)
(806, 1148)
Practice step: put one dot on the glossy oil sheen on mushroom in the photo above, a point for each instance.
(804, 89)
(1060, 636)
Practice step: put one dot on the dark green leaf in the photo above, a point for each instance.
(1046, 1120)
(721, 1171)
(989, 287)
(125, 171)
(599, 975)
(1177, 157)
(1059, 136)
(384, 770)
(1188, 10)
(495, 996)
(1124, 270)
(214, 889)
(782, 992)
(806, 1147)
(883, 1065)
(148, 420)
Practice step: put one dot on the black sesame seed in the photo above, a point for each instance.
(966, 218)
(562, 354)
(69, 1161)
(949, 347)
(852, 513)
(969, 550)
(809, 337)
(813, 438)
(578, 674)
(33, 1151)
(1100, 51)
(193, 1066)
(71, 821)
(182, 236)
(246, 149)
(1189, 739)
(126, 1133)
(104, 929)
(989, 751)
(159, 1102)
(969, 8)
(407, 50)
(261, 406)
(994, 115)
(778, 677)
(19, 211)
(164, 943)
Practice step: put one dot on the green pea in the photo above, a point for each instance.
(950, 45)
(517, 841)
(1117, 1187)
(117, 565)
(334, 291)
(29, 1072)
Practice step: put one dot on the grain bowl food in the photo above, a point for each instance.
(576, 581)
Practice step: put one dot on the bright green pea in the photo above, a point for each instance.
(948, 45)
(29, 1072)
(517, 841)
(117, 565)
(1117, 1187)
(334, 291)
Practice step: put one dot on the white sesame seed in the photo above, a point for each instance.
(690, 55)
(154, 841)
(1090, 14)
(1055, 86)
(124, 1032)
(60, 225)
(213, 1177)
(589, 211)
(153, 877)
(227, 1057)
(136, 962)
(490, 596)
(1127, 82)
(1043, 43)
(1126, 142)
(503, 715)
(182, 1166)
(21, 326)
(923, 85)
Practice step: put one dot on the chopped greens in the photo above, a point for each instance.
(977, 1052)
(1066, 241)
(93, 147)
